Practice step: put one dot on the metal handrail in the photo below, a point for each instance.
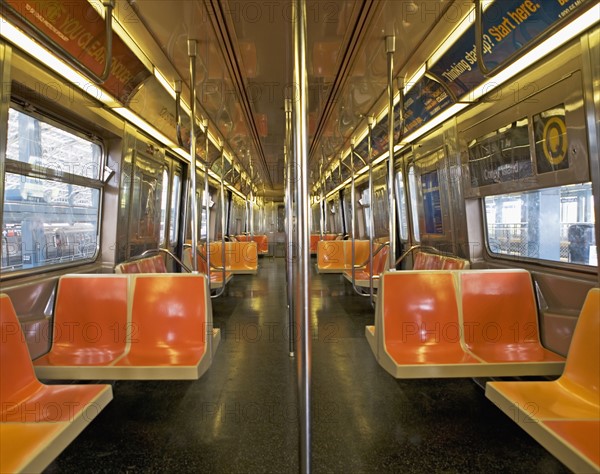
(415, 247)
(145, 253)
(222, 196)
(203, 257)
(379, 249)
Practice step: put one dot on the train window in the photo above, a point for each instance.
(174, 211)
(432, 203)
(401, 205)
(51, 195)
(163, 208)
(413, 192)
(365, 202)
(555, 224)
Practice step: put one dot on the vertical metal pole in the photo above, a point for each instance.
(303, 232)
(321, 204)
(224, 273)
(192, 51)
(5, 66)
(371, 123)
(289, 212)
(207, 199)
(390, 48)
(251, 214)
(352, 214)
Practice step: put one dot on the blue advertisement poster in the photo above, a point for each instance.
(432, 205)
(508, 25)
(422, 102)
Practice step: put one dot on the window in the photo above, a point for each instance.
(555, 224)
(413, 192)
(174, 212)
(163, 208)
(51, 194)
(401, 205)
(432, 203)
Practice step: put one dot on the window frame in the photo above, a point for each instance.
(36, 171)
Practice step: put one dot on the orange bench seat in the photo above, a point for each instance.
(335, 256)
(453, 323)
(137, 327)
(37, 421)
(431, 261)
(216, 274)
(563, 415)
(240, 257)
(362, 274)
(262, 242)
(154, 264)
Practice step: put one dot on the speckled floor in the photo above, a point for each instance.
(240, 417)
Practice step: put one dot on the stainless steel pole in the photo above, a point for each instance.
(303, 232)
(390, 47)
(192, 51)
(289, 230)
(371, 122)
(207, 198)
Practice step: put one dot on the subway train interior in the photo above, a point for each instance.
(278, 236)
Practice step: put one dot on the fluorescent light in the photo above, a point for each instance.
(415, 78)
(164, 82)
(463, 26)
(431, 124)
(564, 35)
(31, 47)
(183, 153)
(145, 126)
(381, 158)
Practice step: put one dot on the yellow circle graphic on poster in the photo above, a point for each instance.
(554, 140)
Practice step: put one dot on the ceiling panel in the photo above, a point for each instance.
(245, 66)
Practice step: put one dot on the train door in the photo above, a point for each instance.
(141, 192)
(436, 195)
(408, 233)
(170, 214)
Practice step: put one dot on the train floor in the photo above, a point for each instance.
(241, 416)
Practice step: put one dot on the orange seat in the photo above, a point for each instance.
(89, 324)
(335, 256)
(240, 257)
(137, 327)
(455, 323)
(169, 323)
(154, 264)
(128, 267)
(431, 261)
(216, 275)
(500, 319)
(37, 421)
(452, 263)
(331, 257)
(262, 243)
(159, 264)
(362, 275)
(563, 415)
(417, 326)
(314, 238)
